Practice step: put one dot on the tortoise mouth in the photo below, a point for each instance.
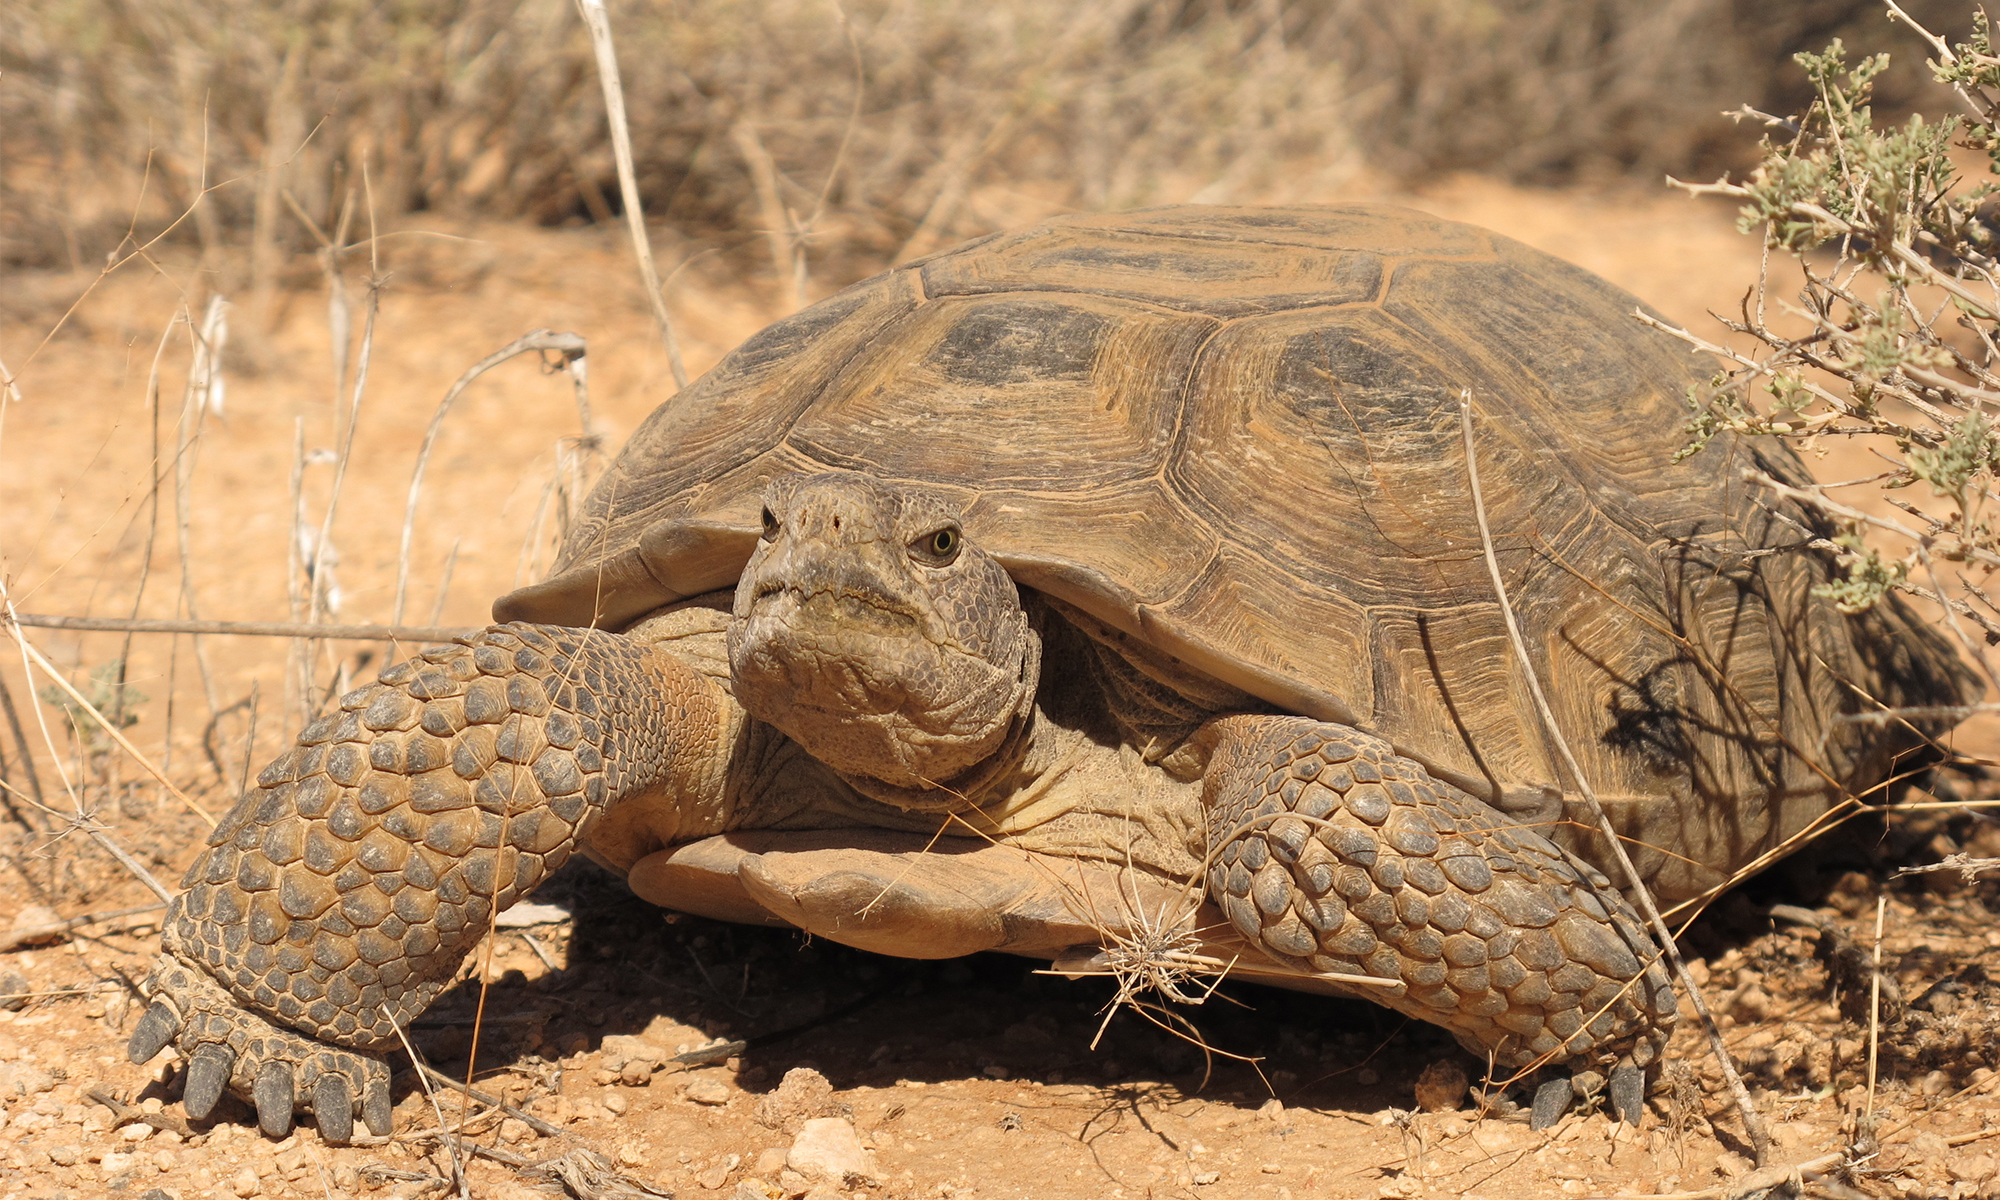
(846, 607)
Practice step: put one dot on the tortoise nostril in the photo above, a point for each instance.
(836, 522)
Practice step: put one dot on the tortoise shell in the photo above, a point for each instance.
(1234, 433)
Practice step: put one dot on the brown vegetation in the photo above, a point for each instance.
(866, 132)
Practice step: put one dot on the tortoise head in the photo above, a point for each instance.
(870, 631)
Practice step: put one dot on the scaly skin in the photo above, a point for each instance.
(1333, 854)
(339, 897)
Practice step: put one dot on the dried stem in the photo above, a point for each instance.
(1753, 1124)
(570, 349)
(284, 629)
(599, 24)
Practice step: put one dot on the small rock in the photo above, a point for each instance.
(1442, 1086)
(708, 1091)
(771, 1161)
(800, 1096)
(828, 1148)
(65, 1155)
(116, 1161)
(29, 918)
(246, 1184)
(13, 989)
(754, 1189)
(1751, 1004)
(630, 1060)
(19, 1079)
(1971, 1168)
(137, 1131)
(515, 1130)
(1731, 1164)
(717, 1175)
(618, 1104)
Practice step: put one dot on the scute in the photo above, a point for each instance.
(1234, 433)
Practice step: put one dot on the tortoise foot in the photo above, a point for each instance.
(1332, 854)
(281, 1072)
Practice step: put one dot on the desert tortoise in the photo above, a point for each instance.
(1077, 571)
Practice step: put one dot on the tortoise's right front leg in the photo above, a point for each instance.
(339, 897)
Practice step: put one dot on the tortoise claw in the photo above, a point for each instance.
(228, 1047)
(1628, 1093)
(1552, 1097)
(273, 1093)
(333, 1105)
(375, 1107)
(207, 1075)
(153, 1032)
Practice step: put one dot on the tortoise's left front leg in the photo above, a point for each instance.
(1332, 854)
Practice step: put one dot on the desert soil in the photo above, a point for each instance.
(855, 1075)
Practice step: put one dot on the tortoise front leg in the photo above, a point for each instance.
(1332, 854)
(339, 898)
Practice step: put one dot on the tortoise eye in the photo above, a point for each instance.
(770, 525)
(940, 547)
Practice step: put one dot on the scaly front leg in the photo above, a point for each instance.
(338, 899)
(1333, 854)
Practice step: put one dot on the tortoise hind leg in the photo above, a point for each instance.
(1332, 854)
(337, 900)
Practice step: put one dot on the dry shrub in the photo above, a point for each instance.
(745, 114)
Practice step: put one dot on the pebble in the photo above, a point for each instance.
(1442, 1086)
(515, 1130)
(771, 1161)
(29, 918)
(800, 1096)
(616, 1103)
(1972, 1168)
(708, 1091)
(19, 1079)
(137, 1131)
(717, 1175)
(246, 1183)
(828, 1148)
(12, 986)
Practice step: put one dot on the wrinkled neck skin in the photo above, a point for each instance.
(869, 631)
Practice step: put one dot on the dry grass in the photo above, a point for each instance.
(843, 137)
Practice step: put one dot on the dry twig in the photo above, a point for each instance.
(599, 24)
(1753, 1124)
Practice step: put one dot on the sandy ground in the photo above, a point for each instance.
(973, 1078)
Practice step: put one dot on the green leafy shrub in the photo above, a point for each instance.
(1892, 335)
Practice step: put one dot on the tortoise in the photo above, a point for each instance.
(1108, 587)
